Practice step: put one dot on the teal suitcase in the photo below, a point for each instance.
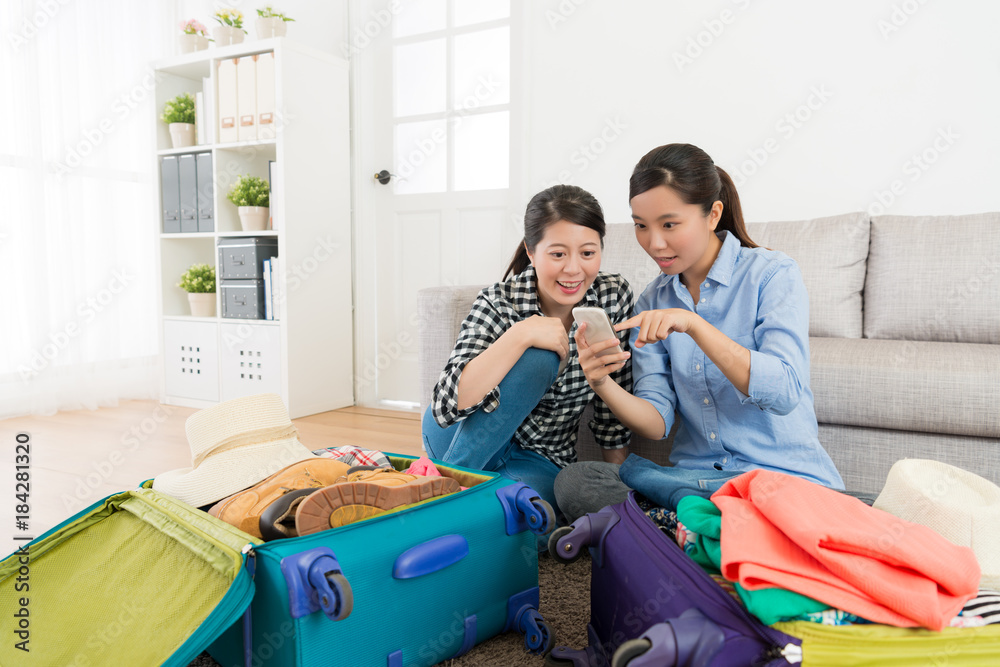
(142, 579)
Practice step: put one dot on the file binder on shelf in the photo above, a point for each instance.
(228, 132)
(246, 95)
(170, 194)
(188, 193)
(206, 193)
(266, 120)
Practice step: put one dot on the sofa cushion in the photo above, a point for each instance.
(441, 311)
(934, 278)
(831, 254)
(863, 456)
(907, 385)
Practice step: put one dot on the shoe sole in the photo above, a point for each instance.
(341, 504)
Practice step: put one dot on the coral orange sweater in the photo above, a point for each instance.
(784, 531)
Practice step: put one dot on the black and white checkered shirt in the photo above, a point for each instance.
(551, 428)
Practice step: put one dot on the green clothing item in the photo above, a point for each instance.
(703, 520)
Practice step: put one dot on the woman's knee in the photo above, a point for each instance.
(539, 364)
(587, 486)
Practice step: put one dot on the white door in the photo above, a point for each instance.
(432, 86)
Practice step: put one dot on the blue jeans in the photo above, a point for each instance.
(587, 486)
(482, 440)
(666, 485)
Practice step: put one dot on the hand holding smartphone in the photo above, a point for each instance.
(598, 329)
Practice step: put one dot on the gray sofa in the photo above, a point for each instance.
(904, 336)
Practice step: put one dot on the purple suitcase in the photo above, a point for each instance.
(651, 605)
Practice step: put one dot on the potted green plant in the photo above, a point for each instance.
(271, 23)
(230, 29)
(252, 197)
(199, 282)
(178, 114)
(193, 37)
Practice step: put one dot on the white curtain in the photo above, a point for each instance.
(78, 228)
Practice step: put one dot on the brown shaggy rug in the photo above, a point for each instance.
(564, 604)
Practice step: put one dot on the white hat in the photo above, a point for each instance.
(961, 506)
(234, 445)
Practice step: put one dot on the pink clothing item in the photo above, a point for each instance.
(424, 466)
(784, 531)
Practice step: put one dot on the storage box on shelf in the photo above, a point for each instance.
(300, 142)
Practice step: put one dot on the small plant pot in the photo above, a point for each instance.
(181, 134)
(253, 218)
(202, 304)
(191, 43)
(224, 35)
(270, 26)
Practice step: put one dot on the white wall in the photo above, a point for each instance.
(890, 81)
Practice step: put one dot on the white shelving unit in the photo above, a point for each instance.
(306, 353)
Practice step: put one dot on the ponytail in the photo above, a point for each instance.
(519, 262)
(732, 211)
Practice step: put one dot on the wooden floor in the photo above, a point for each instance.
(79, 457)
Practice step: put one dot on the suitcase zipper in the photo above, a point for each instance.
(861, 645)
(779, 642)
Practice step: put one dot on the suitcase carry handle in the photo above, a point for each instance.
(430, 556)
(315, 581)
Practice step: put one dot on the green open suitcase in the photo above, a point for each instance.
(140, 578)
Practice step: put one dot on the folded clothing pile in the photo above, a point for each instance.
(793, 549)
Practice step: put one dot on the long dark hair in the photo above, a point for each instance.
(560, 202)
(690, 172)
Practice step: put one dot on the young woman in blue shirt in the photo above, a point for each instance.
(721, 338)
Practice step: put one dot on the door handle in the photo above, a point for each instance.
(383, 177)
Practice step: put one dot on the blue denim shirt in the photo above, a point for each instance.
(757, 298)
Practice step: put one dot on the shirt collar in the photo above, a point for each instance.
(524, 291)
(725, 263)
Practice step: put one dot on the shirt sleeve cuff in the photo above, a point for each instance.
(662, 406)
(488, 404)
(767, 377)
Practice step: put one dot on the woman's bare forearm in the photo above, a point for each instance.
(637, 414)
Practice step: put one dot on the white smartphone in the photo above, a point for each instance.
(598, 327)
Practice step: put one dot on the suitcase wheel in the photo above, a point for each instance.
(563, 546)
(630, 650)
(524, 510)
(315, 581)
(336, 597)
(538, 637)
(543, 518)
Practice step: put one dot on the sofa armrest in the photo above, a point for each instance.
(440, 313)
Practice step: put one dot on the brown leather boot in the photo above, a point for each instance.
(243, 509)
(365, 494)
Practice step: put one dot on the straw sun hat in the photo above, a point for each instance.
(961, 506)
(234, 445)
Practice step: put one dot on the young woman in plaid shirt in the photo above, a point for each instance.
(511, 396)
